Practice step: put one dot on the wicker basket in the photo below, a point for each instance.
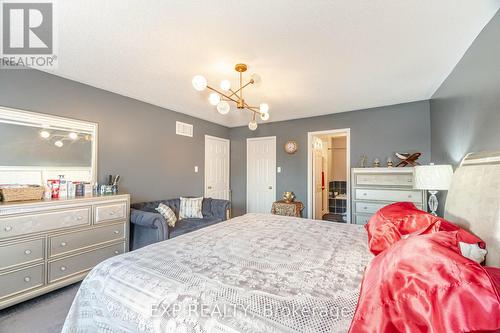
(29, 192)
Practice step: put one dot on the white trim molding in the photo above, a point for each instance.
(310, 192)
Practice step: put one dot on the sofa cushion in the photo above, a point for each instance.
(191, 208)
(168, 214)
(187, 225)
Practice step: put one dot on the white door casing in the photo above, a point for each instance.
(318, 191)
(261, 174)
(217, 168)
(310, 169)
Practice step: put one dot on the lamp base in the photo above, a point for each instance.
(433, 202)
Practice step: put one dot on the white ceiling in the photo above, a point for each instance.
(315, 57)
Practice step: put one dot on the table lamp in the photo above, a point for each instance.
(433, 178)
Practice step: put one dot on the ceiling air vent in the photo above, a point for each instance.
(183, 129)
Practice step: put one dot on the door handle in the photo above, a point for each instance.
(210, 187)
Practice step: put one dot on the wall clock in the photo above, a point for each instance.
(291, 146)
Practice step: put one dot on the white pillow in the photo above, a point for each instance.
(472, 252)
(190, 208)
(167, 213)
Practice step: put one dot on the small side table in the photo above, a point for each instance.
(293, 208)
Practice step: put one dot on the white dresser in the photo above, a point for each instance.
(45, 245)
(374, 188)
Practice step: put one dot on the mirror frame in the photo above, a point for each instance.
(25, 118)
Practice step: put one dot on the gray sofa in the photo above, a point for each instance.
(147, 226)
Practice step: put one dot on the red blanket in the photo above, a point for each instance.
(423, 284)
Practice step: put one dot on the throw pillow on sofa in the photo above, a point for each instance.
(168, 214)
(191, 208)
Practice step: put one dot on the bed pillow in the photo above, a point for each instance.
(167, 213)
(423, 284)
(191, 208)
(392, 222)
(399, 220)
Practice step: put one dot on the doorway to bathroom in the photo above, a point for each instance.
(328, 175)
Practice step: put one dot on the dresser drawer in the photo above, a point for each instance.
(389, 195)
(43, 221)
(21, 253)
(85, 238)
(368, 207)
(405, 180)
(21, 280)
(82, 262)
(362, 219)
(104, 213)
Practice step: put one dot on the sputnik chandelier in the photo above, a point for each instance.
(220, 98)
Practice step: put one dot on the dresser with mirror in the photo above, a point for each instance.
(53, 242)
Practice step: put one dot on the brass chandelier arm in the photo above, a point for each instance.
(254, 109)
(222, 94)
(242, 87)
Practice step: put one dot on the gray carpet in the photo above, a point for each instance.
(44, 314)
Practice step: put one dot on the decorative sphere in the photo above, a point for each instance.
(214, 98)
(252, 125)
(223, 107)
(199, 83)
(257, 80)
(264, 108)
(264, 116)
(225, 85)
(73, 135)
(58, 143)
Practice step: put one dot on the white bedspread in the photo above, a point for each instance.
(254, 273)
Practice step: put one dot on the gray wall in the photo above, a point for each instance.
(378, 132)
(136, 139)
(465, 110)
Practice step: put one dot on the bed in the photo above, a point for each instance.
(263, 273)
(254, 273)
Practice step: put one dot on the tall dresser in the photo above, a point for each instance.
(46, 245)
(374, 188)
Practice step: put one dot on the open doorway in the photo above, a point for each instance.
(329, 173)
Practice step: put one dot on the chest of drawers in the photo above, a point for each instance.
(46, 245)
(374, 188)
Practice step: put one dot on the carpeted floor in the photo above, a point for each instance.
(44, 314)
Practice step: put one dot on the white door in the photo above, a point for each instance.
(318, 190)
(261, 174)
(216, 168)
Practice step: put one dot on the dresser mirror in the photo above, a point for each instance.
(35, 147)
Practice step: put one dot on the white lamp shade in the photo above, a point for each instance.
(433, 177)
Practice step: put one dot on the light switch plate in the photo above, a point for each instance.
(279, 169)
(196, 169)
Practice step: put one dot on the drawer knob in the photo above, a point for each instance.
(63, 244)
(410, 196)
(63, 268)
(8, 228)
(365, 208)
(79, 218)
(117, 232)
(27, 279)
(116, 251)
(27, 252)
(365, 194)
(112, 212)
